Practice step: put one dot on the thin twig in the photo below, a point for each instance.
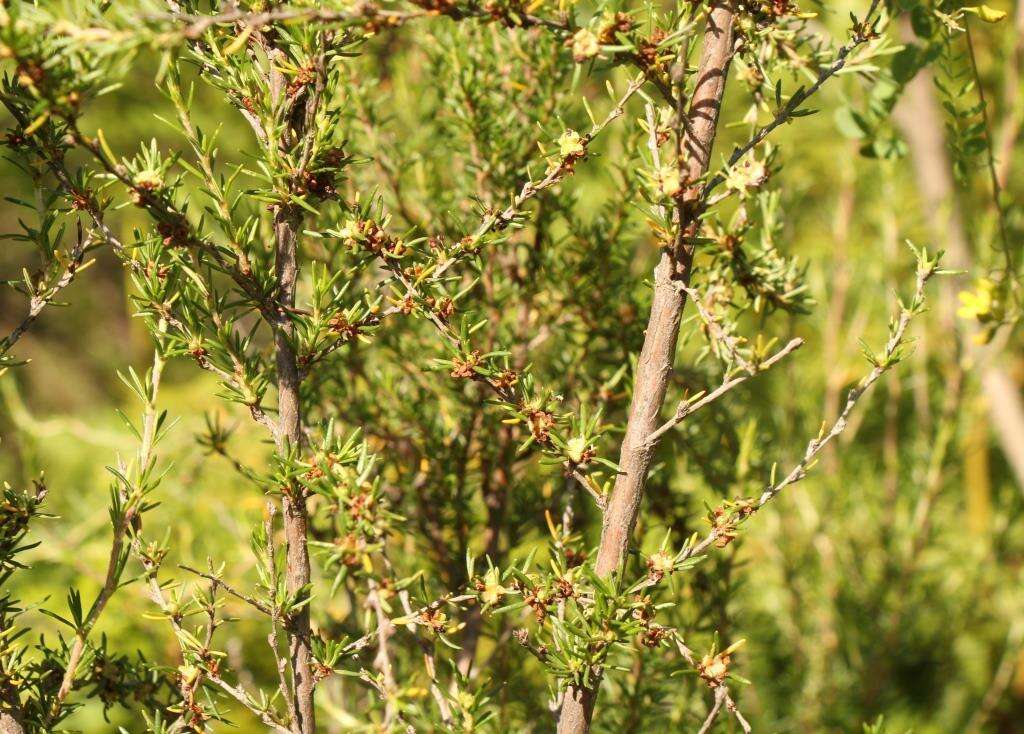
(256, 603)
(814, 447)
(713, 713)
(40, 299)
(692, 405)
(862, 33)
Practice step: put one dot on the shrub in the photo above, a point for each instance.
(407, 269)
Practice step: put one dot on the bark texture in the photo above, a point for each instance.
(657, 355)
(296, 520)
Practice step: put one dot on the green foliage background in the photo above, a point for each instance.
(852, 604)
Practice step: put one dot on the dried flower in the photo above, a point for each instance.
(714, 668)
(541, 422)
(724, 526)
(343, 328)
(465, 367)
(585, 45)
(653, 636)
(659, 564)
(613, 23)
(505, 380)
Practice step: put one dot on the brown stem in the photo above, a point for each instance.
(713, 713)
(289, 437)
(48, 292)
(10, 725)
(657, 355)
(1009, 128)
(110, 584)
(382, 661)
(280, 662)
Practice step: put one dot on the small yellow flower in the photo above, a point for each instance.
(189, 674)
(747, 175)
(570, 144)
(585, 45)
(492, 589)
(667, 180)
(149, 180)
(350, 231)
(659, 564)
(980, 304)
(575, 448)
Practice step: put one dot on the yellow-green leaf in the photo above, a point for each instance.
(985, 13)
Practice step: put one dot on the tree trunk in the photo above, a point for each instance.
(289, 436)
(10, 725)
(657, 355)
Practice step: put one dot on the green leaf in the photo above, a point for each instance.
(851, 124)
(985, 13)
(921, 22)
(906, 63)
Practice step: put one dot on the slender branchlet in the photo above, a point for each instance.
(444, 262)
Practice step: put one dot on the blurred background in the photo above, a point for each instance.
(887, 583)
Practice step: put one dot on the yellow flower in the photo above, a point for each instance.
(659, 564)
(189, 674)
(570, 144)
(575, 448)
(980, 304)
(749, 174)
(667, 180)
(149, 180)
(350, 231)
(493, 590)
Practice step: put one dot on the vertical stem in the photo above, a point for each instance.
(920, 119)
(131, 496)
(990, 154)
(1013, 115)
(382, 661)
(280, 662)
(289, 437)
(657, 355)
